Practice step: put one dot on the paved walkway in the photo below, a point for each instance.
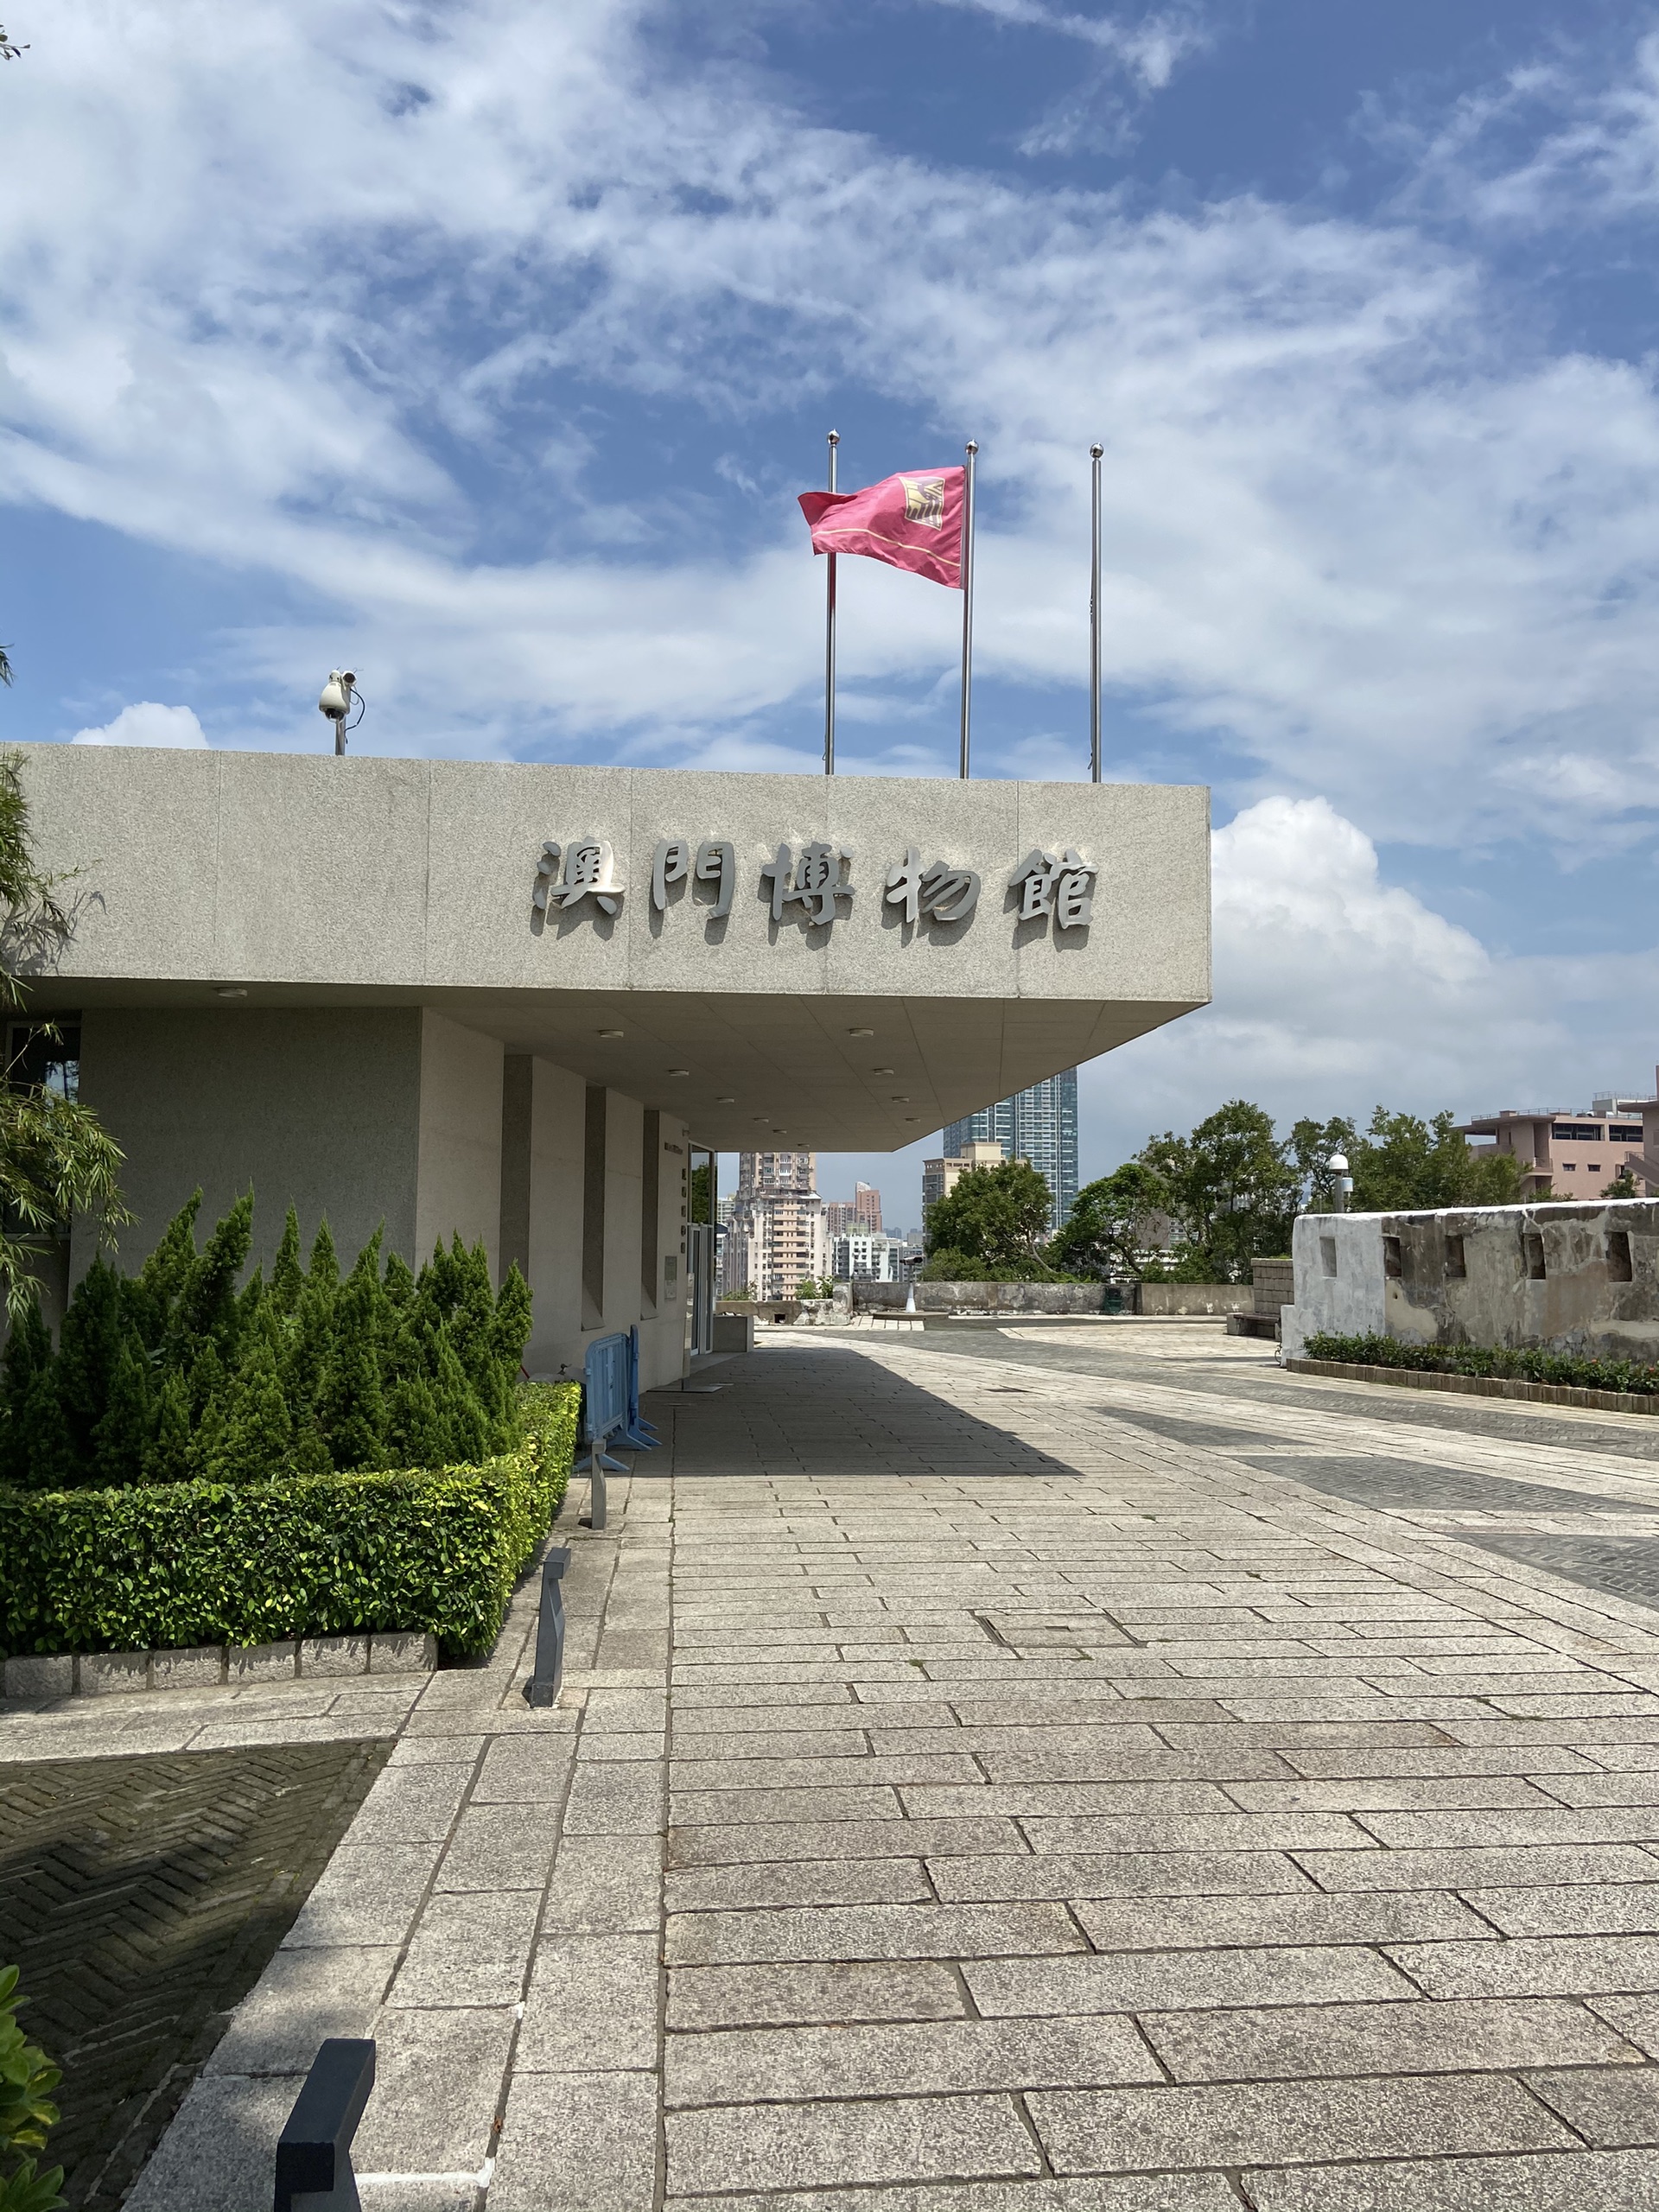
(1132, 1782)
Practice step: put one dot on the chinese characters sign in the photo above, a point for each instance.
(813, 882)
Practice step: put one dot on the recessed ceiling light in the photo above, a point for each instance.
(229, 991)
(912, 1117)
(861, 1032)
(898, 1100)
(610, 1033)
(725, 1102)
(880, 1071)
(679, 1070)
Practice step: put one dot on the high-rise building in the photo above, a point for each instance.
(860, 1257)
(866, 1208)
(776, 1235)
(1039, 1125)
(838, 1218)
(940, 1176)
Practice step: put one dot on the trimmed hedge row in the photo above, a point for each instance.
(1628, 1375)
(178, 1564)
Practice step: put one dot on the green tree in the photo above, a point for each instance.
(167, 1457)
(1404, 1165)
(352, 1407)
(287, 1276)
(1230, 1188)
(55, 1157)
(997, 1220)
(1111, 1224)
(258, 1435)
(1623, 1185)
(27, 1354)
(121, 1438)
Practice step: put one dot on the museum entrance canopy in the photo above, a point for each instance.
(835, 964)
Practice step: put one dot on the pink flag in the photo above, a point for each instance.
(912, 521)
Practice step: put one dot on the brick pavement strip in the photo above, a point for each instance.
(1066, 1808)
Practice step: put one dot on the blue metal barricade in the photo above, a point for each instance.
(604, 1412)
(642, 1434)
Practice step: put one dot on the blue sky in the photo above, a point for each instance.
(485, 346)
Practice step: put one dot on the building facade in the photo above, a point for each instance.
(505, 1001)
(776, 1237)
(861, 1256)
(1574, 1152)
(940, 1176)
(1039, 1124)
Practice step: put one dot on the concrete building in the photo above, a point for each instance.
(861, 1257)
(1580, 1279)
(776, 1237)
(863, 1210)
(940, 1176)
(1039, 1124)
(506, 1000)
(1575, 1153)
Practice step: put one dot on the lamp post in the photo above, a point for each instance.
(1338, 1165)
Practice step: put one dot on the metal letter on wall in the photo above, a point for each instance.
(1060, 888)
(717, 863)
(813, 881)
(943, 893)
(589, 872)
(669, 863)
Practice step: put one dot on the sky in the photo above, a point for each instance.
(484, 347)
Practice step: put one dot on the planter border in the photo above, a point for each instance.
(1482, 1386)
(216, 1666)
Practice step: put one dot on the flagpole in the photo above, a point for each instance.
(1095, 452)
(966, 599)
(830, 636)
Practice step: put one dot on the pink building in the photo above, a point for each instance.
(1572, 1152)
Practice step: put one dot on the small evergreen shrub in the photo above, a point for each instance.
(175, 1375)
(203, 1561)
(28, 2078)
(1628, 1375)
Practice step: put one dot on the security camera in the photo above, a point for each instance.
(339, 694)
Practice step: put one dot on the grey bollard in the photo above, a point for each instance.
(314, 2151)
(543, 1687)
(596, 1487)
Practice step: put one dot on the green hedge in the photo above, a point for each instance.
(177, 1564)
(1629, 1375)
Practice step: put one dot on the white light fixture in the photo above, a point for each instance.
(610, 1033)
(679, 1070)
(861, 1032)
(725, 1102)
(229, 991)
(880, 1071)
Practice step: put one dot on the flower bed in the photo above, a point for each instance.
(1626, 1377)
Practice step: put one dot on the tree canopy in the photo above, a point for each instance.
(1402, 1164)
(991, 1227)
(1229, 1186)
(1111, 1223)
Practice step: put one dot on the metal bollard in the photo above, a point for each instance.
(596, 1487)
(314, 2151)
(543, 1687)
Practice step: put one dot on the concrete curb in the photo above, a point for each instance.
(209, 1666)
(1481, 1386)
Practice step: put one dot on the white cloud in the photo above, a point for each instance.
(1358, 524)
(146, 723)
(1335, 991)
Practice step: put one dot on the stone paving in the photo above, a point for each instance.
(141, 1897)
(1064, 1810)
